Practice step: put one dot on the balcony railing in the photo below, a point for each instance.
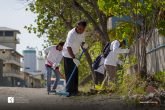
(13, 74)
(12, 58)
(9, 40)
(14, 71)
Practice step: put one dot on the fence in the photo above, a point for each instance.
(156, 53)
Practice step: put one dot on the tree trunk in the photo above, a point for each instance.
(143, 62)
(141, 55)
(89, 60)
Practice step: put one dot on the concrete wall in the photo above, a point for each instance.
(28, 78)
(6, 81)
(11, 82)
(9, 56)
(9, 41)
(34, 83)
(1, 69)
(5, 55)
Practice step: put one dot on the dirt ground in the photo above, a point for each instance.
(38, 99)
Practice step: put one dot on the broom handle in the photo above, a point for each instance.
(74, 69)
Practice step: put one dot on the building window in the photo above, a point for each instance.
(9, 33)
(1, 33)
(3, 51)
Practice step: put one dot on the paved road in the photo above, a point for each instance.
(38, 99)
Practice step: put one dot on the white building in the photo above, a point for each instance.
(41, 64)
(29, 60)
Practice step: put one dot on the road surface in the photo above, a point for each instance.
(38, 99)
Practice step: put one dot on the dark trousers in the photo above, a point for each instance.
(69, 65)
(99, 77)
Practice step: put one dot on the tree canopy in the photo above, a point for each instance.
(56, 17)
(144, 17)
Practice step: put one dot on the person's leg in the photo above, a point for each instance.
(74, 86)
(68, 67)
(100, 78)
(106, 77)
(57, 79)
(49, 71)
(108, 72)
(97, 77)
(112, 73)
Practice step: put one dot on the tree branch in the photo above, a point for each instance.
(67, 23)
(97, 27)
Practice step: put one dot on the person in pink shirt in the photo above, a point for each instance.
(53, 58)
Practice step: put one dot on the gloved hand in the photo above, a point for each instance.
(85, 46)
(119, 62)
(127, 50)
(54, 66)
(77, 62)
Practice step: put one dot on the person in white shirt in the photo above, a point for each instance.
(99, 72)
(53, 58)
(112, 60)
(75, 40)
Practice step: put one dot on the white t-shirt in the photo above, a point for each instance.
(101, 69)
(53, 55)
(112, 58)
(73, 40)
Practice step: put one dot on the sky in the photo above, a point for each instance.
(14, 15)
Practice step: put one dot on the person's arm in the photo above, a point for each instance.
(119, 62)
(119, 50)
(69, 44)
(75, 60)
(70, 52)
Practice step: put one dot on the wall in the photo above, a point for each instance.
(9, 41)
(1, 69)
(34, 83)
(8, 67)
(4, 55)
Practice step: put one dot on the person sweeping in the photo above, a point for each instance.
(53, 58)
(75, 39)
